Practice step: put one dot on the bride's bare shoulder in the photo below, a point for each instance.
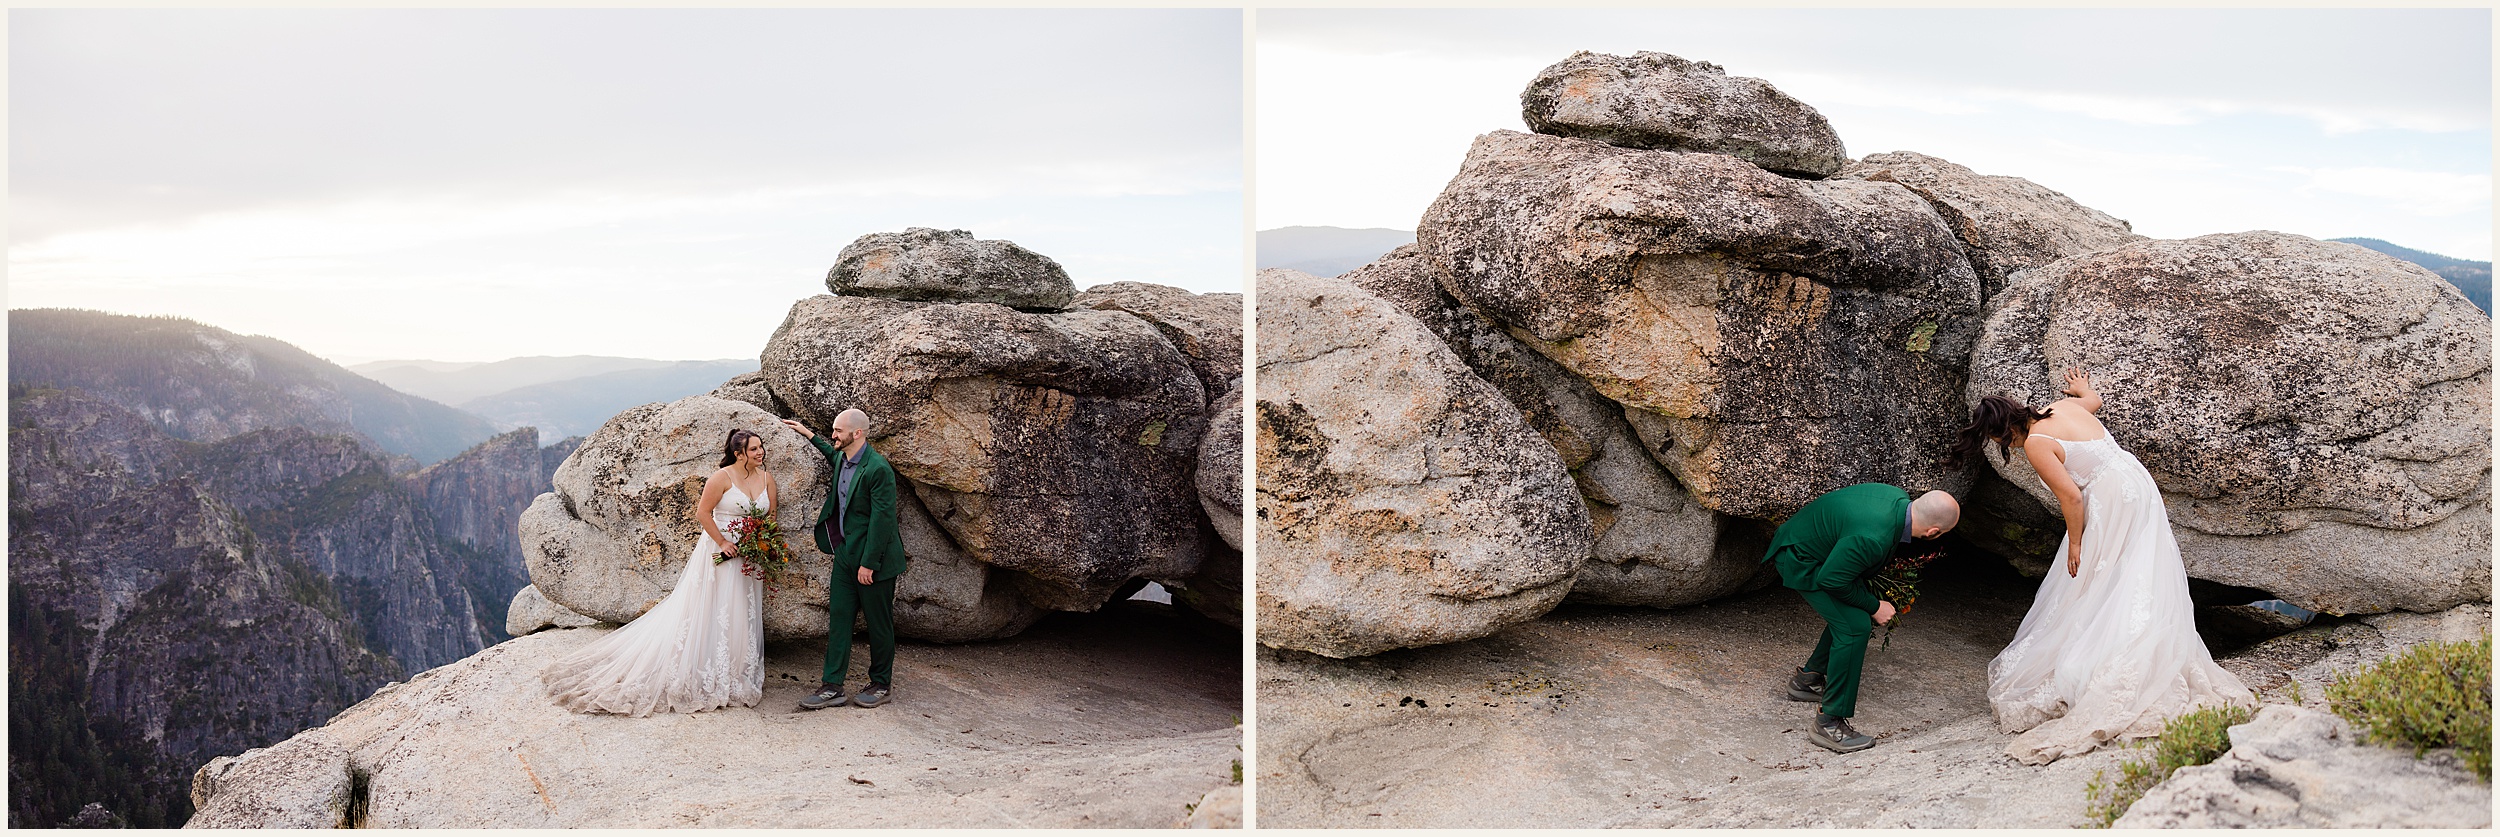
(2072, 423)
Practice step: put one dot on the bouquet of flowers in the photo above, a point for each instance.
(1897, 583)
(760, 542)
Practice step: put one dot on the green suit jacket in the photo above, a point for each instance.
(1838, 541)
(874, 540)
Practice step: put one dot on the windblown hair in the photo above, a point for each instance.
(737, 442)
(1995, 420)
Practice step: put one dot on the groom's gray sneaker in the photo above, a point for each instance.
(1835, 734)
(1806, 686)
(874, 696)
(825, 696)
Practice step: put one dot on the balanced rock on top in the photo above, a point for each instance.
(1659, 101)
(950, 266)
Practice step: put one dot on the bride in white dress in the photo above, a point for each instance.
(702, 646)
(2109, 650)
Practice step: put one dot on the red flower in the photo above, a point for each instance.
(1897, 583)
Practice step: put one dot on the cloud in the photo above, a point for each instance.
(2187, 122)
(310, 247)
(2431, 194)
(128, 116)
(2344, 70)
(483, 183)
(1947, 98)
(1872, 92)
(627, 274)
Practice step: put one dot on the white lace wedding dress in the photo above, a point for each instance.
(2112, 652)
(701, 647)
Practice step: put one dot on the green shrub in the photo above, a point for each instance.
(2434, 695)
(2195, 737)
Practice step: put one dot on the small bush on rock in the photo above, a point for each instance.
(2195, 737)
(2433, 695)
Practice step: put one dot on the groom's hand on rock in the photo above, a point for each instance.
(804, 433)
(1883, 612)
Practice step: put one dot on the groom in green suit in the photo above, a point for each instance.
(1826, 552)
(857, 527)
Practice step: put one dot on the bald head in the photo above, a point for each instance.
(850, 431)
(1933, 514)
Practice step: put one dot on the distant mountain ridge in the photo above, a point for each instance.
(577, 406)
(454, 382)
(202, 383)
(1327, 251)
(2471, 277)
(561, 396)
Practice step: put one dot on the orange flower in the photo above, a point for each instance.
(1897, 583)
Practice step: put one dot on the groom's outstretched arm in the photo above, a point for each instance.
(823, 446)
(832, 454)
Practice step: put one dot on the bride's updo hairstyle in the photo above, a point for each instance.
(737, 442)
(1995, 420)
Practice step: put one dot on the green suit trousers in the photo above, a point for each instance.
(1841, 653)
(846, 598)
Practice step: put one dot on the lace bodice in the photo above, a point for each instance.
(2106, 473)
(727, 511)
(2086, 459)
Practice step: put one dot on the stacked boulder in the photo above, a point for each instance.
(1661, 101)
(1654, 545)
(1049, 445)
(1704, 314)
(1402, 500)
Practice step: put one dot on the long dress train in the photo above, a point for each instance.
(2112, 652)
(701, 647)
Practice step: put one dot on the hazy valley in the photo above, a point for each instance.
(217, 540)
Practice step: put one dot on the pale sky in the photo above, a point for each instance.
(2326, 123)
(484, 184)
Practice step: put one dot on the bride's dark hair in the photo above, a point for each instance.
(1994, 420)
(737, 442)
